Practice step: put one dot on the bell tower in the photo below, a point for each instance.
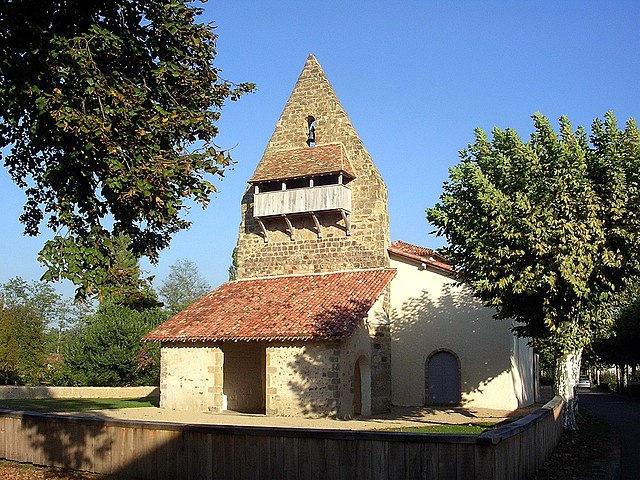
(316, 203)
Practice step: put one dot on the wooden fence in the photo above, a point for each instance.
(151, 450)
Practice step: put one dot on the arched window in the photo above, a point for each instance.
(311, 131)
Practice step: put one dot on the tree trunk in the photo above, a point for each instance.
(566, 380)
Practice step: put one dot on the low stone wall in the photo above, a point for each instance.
(11, 392)
(155, 451)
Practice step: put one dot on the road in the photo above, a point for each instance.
(622, 413)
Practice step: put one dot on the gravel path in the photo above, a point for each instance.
(398, 417)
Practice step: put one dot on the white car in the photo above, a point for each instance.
(584, 382)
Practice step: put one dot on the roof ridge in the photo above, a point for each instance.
(267, 277)
(285, 150)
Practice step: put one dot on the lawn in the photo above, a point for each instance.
(52, 405)
(461, 429)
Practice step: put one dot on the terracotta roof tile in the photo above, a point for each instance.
(294, 307)
(421, 254)
(304, 162)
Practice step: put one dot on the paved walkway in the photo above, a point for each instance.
(622, 413)
(397, 418)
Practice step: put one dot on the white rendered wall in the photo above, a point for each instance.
(430, 312)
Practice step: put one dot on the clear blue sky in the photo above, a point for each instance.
(415, 77)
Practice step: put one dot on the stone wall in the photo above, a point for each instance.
(303, 379)
(366, 246)
(308, 256)
(14, 392)
(191, 377)
(317, 378)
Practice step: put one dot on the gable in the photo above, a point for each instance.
(422, 255)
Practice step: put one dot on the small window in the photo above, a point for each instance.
(311, 131)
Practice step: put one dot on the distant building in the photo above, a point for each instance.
(327, 317)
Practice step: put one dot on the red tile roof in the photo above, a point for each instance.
(304, 162)
(293, 307)
(420, 254)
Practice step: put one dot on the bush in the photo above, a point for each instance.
(609, 381)
(108, 350)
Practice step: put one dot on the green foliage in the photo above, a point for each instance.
(547, 231)
(620, 347)
(21, 345)
(610, 381)
(182, 287)
(58, 315)
(55, 310)
(108, 350)
(109, 109)
(122, 281)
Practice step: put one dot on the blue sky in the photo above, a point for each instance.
(415, 77)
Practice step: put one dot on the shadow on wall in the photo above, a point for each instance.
(321, 373)
(454, 322)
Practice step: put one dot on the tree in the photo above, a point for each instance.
(620, 345)
(109, 109)
(122, 283)
(108, 351)
(21, 345)
(183, 286)
(546, 232)
(53, 309)
(56, 313)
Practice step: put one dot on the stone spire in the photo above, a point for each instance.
(327, 243)
(312, 95)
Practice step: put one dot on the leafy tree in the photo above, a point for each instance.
(108, 351)
(109, 109)
(122, 281)
(546, 231)
(21, 345)
(53, 308)
(183, 286)
(620, 346)
(56, 313)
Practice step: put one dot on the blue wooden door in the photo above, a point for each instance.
(443, 379)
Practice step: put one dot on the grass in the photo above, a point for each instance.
(52, 405)
(456, 429)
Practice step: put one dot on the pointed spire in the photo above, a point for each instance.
(313, 96)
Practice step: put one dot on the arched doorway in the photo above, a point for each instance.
(362, 387)
(442, 379)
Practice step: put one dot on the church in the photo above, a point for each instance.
(327, 317)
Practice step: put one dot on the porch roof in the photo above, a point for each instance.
(304, 162)
(292, 307)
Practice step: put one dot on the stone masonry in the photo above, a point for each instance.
(369, 239)
(366, 247)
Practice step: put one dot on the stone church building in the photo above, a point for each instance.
(327, 316)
